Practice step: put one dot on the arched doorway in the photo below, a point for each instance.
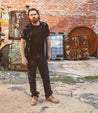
(90, 34)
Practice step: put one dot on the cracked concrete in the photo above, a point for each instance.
(74, 97)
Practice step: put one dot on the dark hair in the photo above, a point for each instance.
(33, 9)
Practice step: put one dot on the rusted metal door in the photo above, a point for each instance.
(15, 62)
(17, 20)
(90, 34)
(76, 47)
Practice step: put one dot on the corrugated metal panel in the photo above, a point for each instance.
(17, 20)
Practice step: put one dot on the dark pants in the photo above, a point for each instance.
(41, 63)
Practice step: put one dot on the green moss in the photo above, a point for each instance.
(54, 79)
(91, 77)
(3, 83)
(26, 73)
(66, 79)
(37, 71)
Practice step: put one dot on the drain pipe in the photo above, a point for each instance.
(27, 8)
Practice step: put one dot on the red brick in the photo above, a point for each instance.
(62, 16)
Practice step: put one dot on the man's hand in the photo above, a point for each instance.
(49, 56)
(22, 46)
(24, 61)
(49, 48)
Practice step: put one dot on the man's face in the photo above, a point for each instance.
(33, 16)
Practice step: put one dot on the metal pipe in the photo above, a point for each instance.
(27, 8)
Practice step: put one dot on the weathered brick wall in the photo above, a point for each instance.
(0, 9)
(61, 15)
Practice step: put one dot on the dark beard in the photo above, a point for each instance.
(34, 20)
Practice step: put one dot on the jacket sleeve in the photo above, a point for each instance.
(47, 30)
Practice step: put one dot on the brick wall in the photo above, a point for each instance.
(61, 15)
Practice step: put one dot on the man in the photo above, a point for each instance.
(34, 35)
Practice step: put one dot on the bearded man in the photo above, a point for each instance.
(37, 51)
